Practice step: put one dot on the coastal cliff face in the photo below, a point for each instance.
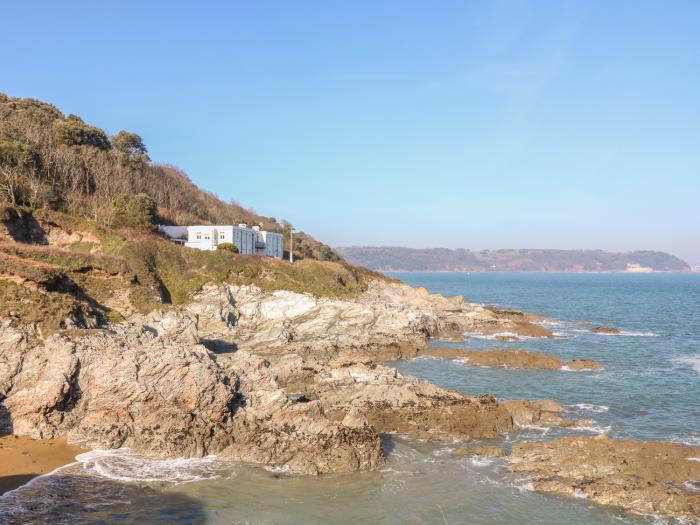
(276, 378)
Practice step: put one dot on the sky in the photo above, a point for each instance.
(482, 125)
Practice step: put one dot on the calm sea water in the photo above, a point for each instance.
(649, 389)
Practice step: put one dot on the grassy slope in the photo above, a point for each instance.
(96, 282)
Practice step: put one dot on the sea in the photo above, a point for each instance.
(649, 388)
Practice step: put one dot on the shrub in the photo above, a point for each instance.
(74, 132)
(228, 247)
(137, 211)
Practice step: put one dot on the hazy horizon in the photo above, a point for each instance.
(692, 264)
(564, 125)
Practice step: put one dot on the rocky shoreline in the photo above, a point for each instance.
(276, 378)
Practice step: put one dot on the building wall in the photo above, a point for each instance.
(274, 245)
(248, 241)
(202, 237)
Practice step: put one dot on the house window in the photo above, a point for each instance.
(222, 235)
(199, 236)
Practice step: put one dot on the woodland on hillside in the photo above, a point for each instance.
(50, 160)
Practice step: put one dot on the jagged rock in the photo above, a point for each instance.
(389, 319)
(644, 477)
(275, 391)
(540, 413)
(353, 389)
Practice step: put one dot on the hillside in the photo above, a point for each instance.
(52, 161)
(60, 272)
(78, 243)
(442, 259)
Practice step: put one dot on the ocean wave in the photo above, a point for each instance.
(596, 429)
(691, 440)
(122, 465)
(693, 361)
(479, 461)
(624, 333)
(588, 407)
(494, 337)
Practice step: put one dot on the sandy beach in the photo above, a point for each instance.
(22, 459)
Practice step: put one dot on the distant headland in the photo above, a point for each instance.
(387, 258)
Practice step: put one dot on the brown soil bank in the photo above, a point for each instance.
(22, 459)
(639, 476)
(515, 358)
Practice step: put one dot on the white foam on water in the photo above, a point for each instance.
(121, 465)
(578, 493)
(544, 430)
(493, 337)
(588, 407)
(692, 485)
(624, 333)
(637, 334)
(596, 429)
(480, 461)
(279, 469)
(693, 361)
(525, 487)
(693, 441)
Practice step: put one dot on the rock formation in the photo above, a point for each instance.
(545, 413)
(251, 375)
(604, 330)
(644, 477)
(514, 358)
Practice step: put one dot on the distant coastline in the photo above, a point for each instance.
(401, 259)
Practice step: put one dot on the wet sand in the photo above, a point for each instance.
(22, 459)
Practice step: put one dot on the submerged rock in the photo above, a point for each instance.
(514, 358)
(604, 330)
(643, 477)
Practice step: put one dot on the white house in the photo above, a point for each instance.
(269, 243)
(249, 241)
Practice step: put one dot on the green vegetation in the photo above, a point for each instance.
(138, 211)
(118, 271)
(52, 161)
(228, 247)
(78, 246)
(442, 259)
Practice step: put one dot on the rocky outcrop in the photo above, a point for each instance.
(148, 386)
(388, 320)
(643, 477)
(515, 358)
(276, 378)
(355, 391)
(604, 330)
(545, 413)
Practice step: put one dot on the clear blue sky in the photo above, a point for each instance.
(458, 124)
